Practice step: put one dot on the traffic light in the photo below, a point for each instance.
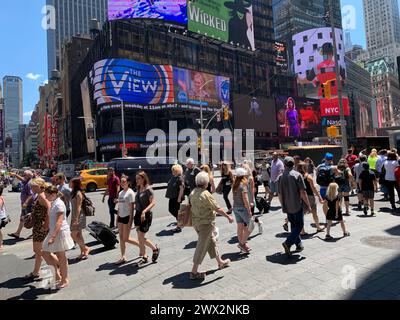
(326, 90)
(199, 142)
(332, 131)
(226, 113)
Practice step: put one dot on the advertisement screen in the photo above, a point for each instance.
(298, 118)
(156, 86)
(281, 59)
(314, 63)
(364, 121)
(170, 10)
(254, 113)
(228, 21)
(87, 114)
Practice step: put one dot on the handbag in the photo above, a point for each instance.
(29, 221)
(88, 206)
(185, 216)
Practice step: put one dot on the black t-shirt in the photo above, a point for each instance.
(142, 199)
(174, 186)
(367, 178)
(190, 178)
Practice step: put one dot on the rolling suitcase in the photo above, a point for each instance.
(103, 233)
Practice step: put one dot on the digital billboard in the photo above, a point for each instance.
(228, 21)
(254, 113)
(223, 20)
(281, 58)
(298, 118)
(157, 86)
(314, 63)
(170, 10)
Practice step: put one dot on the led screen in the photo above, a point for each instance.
(298, 118)
(170, 10)
(156, 85)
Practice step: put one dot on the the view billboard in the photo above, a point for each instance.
(298, 118)
(171, 10)
(314, 64)
(223, 20)
(154, 87)
(254, 113)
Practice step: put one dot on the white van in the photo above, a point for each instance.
(67, 169)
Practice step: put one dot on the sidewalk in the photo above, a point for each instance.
(324, 270)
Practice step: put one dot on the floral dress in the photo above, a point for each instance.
(39, 215)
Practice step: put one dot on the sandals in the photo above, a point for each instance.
(197, 276)
(13, 235)
(120, 262)
(346, 234)
(31, 277)
(155, 255)
(285, 227)
(224, 264)
(143, 261)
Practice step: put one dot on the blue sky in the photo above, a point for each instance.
(23, 51)
(23, 47)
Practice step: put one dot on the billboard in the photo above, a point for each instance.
(298, 118)
(254, 113)
(154, 87)
(281, 58)
(87, 114)
(314, 63)
(223, 20)
(170, 10)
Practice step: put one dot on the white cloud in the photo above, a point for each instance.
(45, 82)
(28, 114)
(33, 77)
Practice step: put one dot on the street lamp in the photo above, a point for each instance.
(95, 135)
(201, 122)
(123, 121)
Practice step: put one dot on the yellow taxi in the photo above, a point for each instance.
(94, 179)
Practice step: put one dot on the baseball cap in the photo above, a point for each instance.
(241, 172)
(288, 161)
(329, 156)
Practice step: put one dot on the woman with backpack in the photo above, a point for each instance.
(78, 217)
(344, 178)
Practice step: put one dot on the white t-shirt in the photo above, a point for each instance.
(389, 167)
(124, 199)
(56, 207)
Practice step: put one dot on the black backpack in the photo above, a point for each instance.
(324, 176)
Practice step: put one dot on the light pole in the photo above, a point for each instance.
(95, 135)
(123, 121)
(338, 82)
(201, 121)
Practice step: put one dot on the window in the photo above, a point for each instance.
(319, 35)
(311, 59)
(299, 62)
(302, 50)
(305, 38)
(315, 46)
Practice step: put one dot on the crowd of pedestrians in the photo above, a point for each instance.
(299, 185)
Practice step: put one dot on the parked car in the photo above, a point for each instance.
(94, 179)
(158, 173)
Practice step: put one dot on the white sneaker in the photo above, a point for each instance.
(260, 227)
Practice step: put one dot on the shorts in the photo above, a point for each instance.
(313, 202)
(241, 215)
(344, 188)
(123, 220)
(24, 213)
(322, 192)
(274, 187)
(368, 194)
(145, 225)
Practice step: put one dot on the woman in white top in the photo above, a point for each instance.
(390, 165)
(126, 201)
(59, 238)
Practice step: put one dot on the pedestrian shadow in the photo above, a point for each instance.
(33, 293)
(165, 233)
(182, 281)
(233, 240)
(272, 208)
(385, 210)
(191, 245)
(333, 240)
(12, 241)
(395, 231)
(234, 256)
(254, 236)
(100, 250)
(282, 235)
(282, 258)
(92, 243)
(129, 268)
(365, 216)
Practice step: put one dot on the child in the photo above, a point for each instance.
(369, 186)
(333, 211)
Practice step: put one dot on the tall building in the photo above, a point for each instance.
(72, 18)
(382, 23)
(13, 116)
(1, 124)
(160, 43)
(292, 17)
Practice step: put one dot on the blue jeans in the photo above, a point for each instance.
(296, 225)
(112, 211)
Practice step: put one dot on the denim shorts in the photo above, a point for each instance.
(241, 215)
(273, 187)
(345, 188)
